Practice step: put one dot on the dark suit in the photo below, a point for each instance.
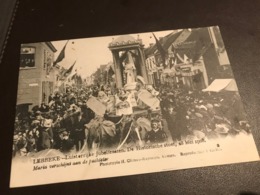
(177, 123)
(46, 137)
(79, 132)
(66, 145)
(156, 136)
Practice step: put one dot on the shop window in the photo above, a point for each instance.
(27, 57)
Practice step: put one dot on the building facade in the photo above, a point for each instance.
(37, 76)
(161, 71)
(194, 58)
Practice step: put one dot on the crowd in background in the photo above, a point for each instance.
(58, 124)
(66, 123)
(203, 114)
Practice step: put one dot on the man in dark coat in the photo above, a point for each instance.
(156, 135)
(68, 121)
(79, 130)
(46, 134)
(65, 143)
(176, 121)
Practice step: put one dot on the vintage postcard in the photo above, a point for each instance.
(125, 105)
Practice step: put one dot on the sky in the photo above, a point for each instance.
(90, 53)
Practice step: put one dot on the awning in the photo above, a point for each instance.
(222, 85)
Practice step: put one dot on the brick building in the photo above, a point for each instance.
(37, 76)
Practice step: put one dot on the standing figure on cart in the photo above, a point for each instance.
(130, 69)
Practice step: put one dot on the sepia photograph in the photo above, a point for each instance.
(127, 104)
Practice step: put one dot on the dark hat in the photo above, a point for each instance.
(65, 133)
(61, 130)
(155, 121)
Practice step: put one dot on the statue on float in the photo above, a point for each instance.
(130, 70)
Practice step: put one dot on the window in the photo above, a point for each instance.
(27, 57)
(47, 60)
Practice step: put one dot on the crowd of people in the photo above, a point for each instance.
(69, 122)
(58, 124)
(200, 114)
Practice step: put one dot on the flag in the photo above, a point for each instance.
(61, 56)
(200, 48)
(110, 71)
(79, 79)
(67, 73)
(173, 49)
(74, 76)
(160, 49)
(61, 73)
